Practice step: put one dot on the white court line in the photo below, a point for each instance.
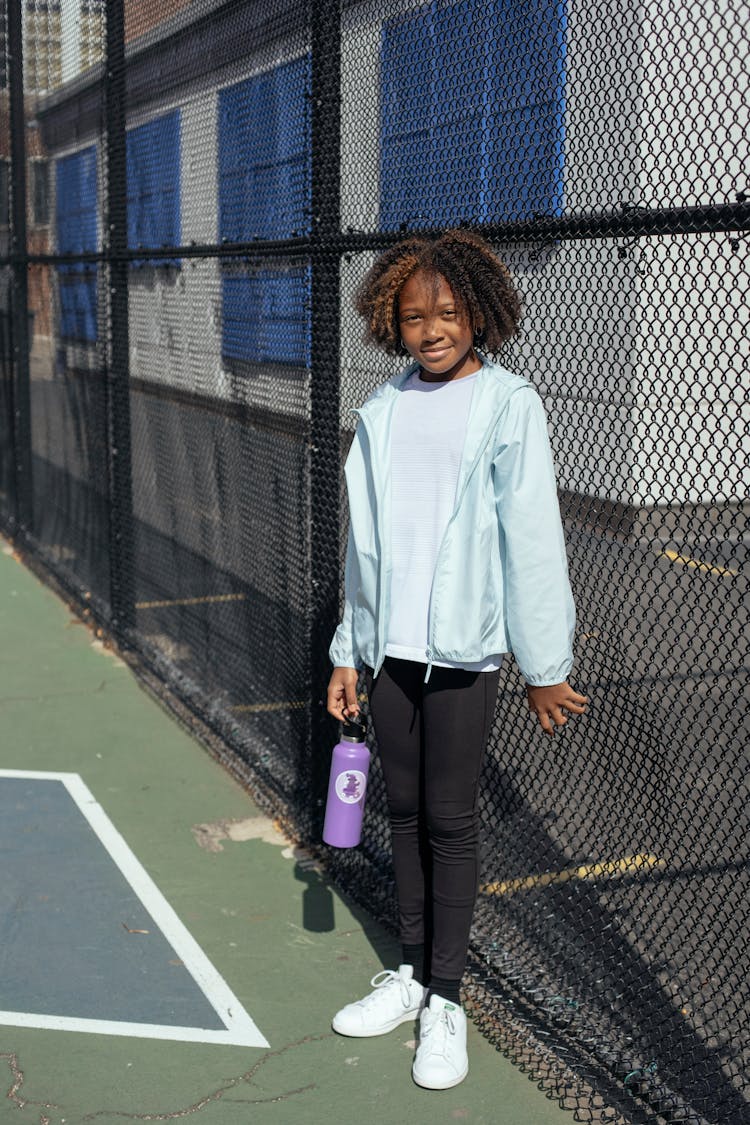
(241, 1030)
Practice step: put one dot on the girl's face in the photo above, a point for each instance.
(433, 331)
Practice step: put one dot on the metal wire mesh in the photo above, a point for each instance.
(192, 190)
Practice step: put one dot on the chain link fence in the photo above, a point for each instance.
(190, 191)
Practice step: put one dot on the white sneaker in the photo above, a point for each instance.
(396, 998)
(441, 1060)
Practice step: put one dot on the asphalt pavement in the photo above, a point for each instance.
(155, 921)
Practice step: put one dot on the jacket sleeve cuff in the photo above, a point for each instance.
(549, 677)
(341, 652)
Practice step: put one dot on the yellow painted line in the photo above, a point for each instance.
(192, 601)
(628, 865)
(685, 560)
(290, 705)
(255, 708)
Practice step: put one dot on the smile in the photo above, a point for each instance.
(435, 353)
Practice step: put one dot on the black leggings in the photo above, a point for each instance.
(431, 740)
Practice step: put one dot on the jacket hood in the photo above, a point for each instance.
(488, 373)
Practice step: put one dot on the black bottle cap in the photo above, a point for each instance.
(354, 728)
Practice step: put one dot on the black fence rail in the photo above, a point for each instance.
(190, 191)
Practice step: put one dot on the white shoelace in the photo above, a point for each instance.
(385, 979)
(444, 1025)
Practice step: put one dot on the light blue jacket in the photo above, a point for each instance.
(501, 578)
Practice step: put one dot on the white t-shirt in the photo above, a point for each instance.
(427, 441)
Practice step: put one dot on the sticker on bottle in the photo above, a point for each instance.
(350, 786)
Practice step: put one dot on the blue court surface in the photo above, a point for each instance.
(87, 941)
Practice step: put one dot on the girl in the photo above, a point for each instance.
(455, 557)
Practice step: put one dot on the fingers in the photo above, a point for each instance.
(572, 701)
(576, 700)
(575, 705)
(545, 722)
(336, 704)
(555, 705)
(352, 705)
(342, 693)
(552, 718)
(335, 700)
(337, 708)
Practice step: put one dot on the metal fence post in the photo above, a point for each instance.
(121, 545)
(325, 452)
(19, 299)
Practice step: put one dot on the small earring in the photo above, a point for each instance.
(478, 334)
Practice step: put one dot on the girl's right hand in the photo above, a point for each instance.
(342, 693)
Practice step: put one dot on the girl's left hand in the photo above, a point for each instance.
(549, 704)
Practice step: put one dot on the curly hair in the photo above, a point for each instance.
(480, 283)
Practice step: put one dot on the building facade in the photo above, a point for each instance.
(470, 111)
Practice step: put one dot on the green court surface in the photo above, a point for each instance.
(174, 868)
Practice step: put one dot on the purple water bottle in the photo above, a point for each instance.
(347, 786)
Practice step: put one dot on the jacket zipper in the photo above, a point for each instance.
(385, 544)
(454, 513)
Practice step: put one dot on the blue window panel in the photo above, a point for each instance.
(78, 306)
(76, 203)
(264, 155)
(406, 60)
(529, 99)
(153, 178)
(76, 224)
(266, 317)
(472, 113)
